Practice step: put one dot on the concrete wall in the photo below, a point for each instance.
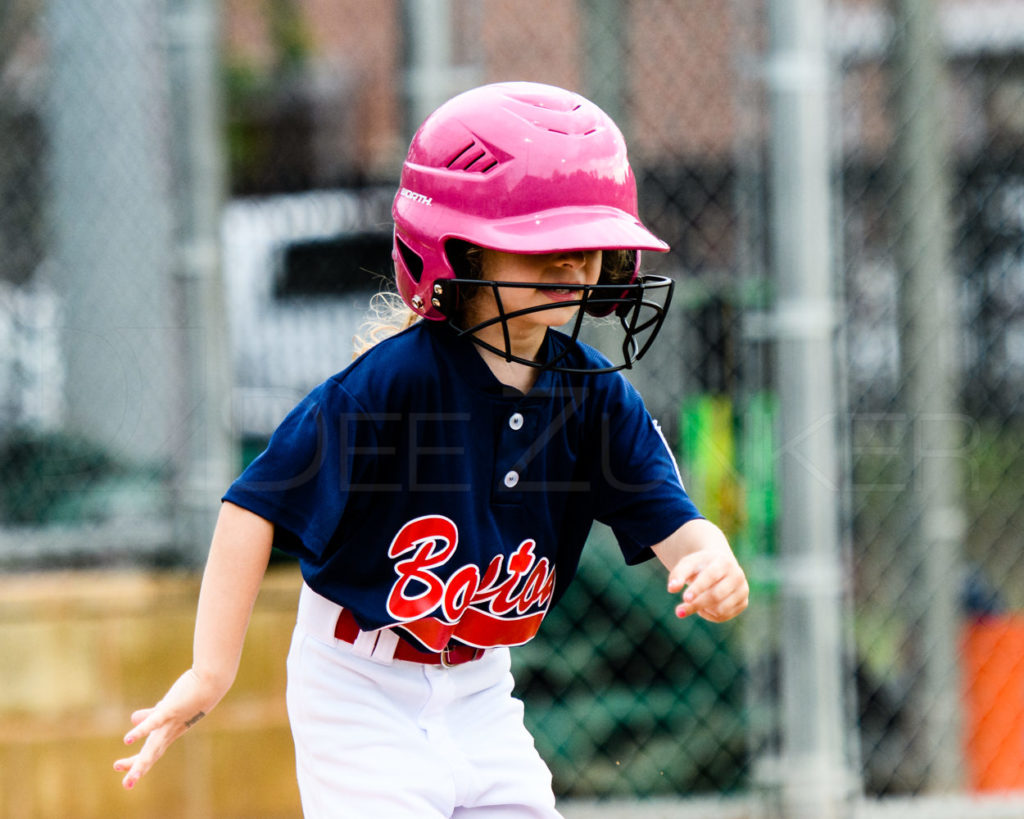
(80, 651)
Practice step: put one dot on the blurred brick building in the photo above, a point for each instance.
(339, 77)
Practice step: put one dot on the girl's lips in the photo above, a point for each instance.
(562, 293)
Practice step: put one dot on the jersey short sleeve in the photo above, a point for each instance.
(638, 490)
(301, 481)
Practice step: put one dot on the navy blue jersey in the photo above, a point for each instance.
(416, 489)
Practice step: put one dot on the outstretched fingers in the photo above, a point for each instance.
(159, 729)
(161, 725)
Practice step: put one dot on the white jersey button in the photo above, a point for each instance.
(516, 421)
(511, 478)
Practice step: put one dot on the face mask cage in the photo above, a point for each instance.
(639, 307)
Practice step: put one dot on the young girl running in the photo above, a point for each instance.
(438, 492)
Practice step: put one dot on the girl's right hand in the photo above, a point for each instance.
(184, 704)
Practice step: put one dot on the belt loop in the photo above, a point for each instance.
(365, 643)
(384, 649)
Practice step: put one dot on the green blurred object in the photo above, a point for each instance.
(757, 466)
(728, 456)
(707, 434)
(54, 478)
(47, 476)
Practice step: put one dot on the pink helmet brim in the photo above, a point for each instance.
(560, 229)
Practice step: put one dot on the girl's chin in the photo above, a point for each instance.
(557, 317)
(549, 317)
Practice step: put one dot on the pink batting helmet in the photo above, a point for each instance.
(517, 167)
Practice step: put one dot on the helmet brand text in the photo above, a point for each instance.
(416, 197)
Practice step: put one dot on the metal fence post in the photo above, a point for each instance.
(431, 81)
(935, 522)
(204, 444)
(815, 777)
(110, 230)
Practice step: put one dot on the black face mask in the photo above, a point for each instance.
(640, 308)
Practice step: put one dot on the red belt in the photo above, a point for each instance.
(347, 629)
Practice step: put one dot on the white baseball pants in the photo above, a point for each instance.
(377, 738)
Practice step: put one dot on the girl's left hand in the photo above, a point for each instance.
(712, 584)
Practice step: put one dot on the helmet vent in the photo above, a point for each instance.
(473, 157)
(412, 260)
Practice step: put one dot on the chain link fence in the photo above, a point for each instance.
(114, 417)
(935, 446)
